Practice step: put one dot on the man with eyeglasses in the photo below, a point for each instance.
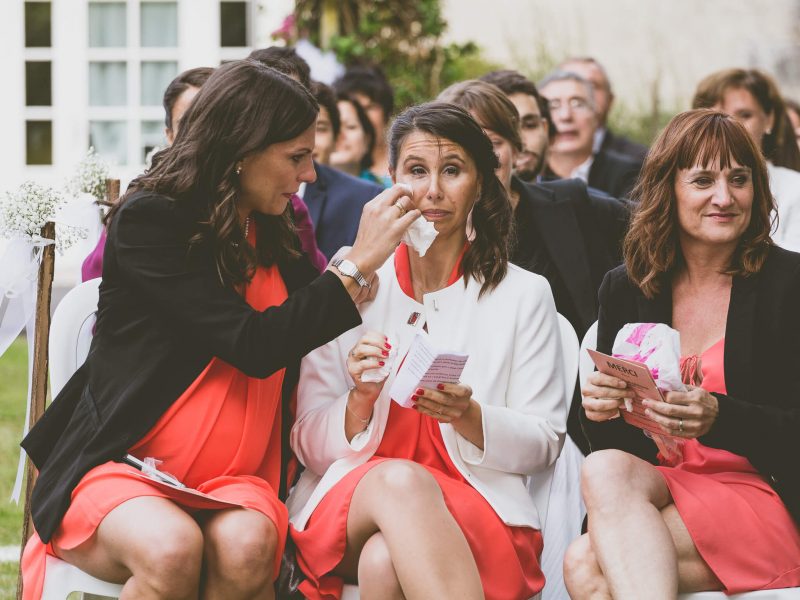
(604, 138)
(572, 107)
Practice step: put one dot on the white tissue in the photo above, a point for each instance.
(381, 373)
(420, 235)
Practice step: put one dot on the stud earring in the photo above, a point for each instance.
(239, 169)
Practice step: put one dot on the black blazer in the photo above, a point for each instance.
(162, 316)
(622, 145)
(335, 201)
(614, 173)
(582, 233)
(759, 417)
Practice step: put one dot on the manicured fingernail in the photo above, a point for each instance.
(414, 398)
(381, 363)
(414, 406)
(420, 391)
(385, 352)
(440, 386)
(388, 345)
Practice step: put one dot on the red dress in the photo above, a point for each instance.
(507, 557)
(222, 437)
(737, 521)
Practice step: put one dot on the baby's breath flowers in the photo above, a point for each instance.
(90, 177)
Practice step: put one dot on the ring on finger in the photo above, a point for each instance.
(680, 425)
(400, 207)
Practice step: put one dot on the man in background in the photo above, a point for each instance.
(604, 138)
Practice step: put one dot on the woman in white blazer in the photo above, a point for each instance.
(430, 501)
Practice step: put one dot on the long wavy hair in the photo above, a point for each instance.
(243, 108)
(651, 249)
(486, 260)
(779, 145)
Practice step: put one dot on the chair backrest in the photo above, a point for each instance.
(71, 332)
(586, 363)
(540, 483)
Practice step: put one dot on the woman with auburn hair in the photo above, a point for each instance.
(205, 309)
(698, 257)
(429, 501)
(753, 98)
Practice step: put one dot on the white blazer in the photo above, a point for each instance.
(515, 370)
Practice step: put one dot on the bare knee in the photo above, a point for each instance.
(240, 547)
(605, 476)
(171, 563)
(376, 575)
(582, 574)
(403, 480)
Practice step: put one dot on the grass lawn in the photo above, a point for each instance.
(13, 386)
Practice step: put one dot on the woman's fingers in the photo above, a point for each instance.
(598, 379)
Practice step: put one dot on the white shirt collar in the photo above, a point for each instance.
(582, 170)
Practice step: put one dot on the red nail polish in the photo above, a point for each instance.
(420, 391)
(388, 345)
(381, 363)
(440, 386)
(414, 406)
(385, 352)
(414, 399)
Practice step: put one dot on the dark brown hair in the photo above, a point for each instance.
(242, 109)
(326, 98)
(779, 145)
(286, 60)
(486, 260)
(697, 137)
(491, 107)
(365, 162)
(191, 78)
(512, 82)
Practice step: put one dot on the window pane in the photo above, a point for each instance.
(37, 83)
(110, 140)
(233, 24)
(39, 142)
(107, 24)
(152, 137)
(160, 24)
(37, 24)
(108, 85)
(156, 76)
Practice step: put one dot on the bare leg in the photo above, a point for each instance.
(582, 574)
(376, 575)
(403, 502)
(240, 546)
(638, 549)
(148, 544)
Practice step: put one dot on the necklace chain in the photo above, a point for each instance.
(246, 227)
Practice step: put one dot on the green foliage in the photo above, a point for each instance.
(403, 38)
(13, 386)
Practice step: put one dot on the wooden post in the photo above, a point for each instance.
(112, 191)
(39, 376)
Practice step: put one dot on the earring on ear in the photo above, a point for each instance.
(239, 169)
(768, 132)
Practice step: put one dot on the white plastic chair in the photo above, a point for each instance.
(587, 366)
(70, 336)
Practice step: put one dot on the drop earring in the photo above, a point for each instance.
(239, 169)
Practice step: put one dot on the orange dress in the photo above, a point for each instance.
(736, 520)
(221, 437)
(507, 557)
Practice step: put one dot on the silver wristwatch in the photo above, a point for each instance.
(348, 269)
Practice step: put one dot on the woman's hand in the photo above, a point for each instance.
(684, 414)
(603, 396)
(384, 220)
(370, 352)
(452, 403)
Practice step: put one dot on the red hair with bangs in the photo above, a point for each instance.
(703, 138)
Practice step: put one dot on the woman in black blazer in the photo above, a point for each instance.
(724, 513)
(203, 281)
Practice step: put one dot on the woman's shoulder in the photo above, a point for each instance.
(616, 281)
(146, 200)
(522, 281)
(781, 263)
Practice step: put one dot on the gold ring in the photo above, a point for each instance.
(399, 207)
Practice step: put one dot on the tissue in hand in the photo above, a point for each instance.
(381, 373)
(421, 233)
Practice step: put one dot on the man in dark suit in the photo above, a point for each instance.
(604, 138)
(574, 114)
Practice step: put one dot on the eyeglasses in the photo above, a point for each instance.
(574, 104)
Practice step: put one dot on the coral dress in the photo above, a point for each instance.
(737, 521)
(221, 437)
(507, 557)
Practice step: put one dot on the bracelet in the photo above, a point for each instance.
(352, 412)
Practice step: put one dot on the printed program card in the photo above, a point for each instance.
(640, 381)
(425, 367)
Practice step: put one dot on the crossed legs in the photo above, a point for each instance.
(402, 541)
(637, 545)
(158, 551)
